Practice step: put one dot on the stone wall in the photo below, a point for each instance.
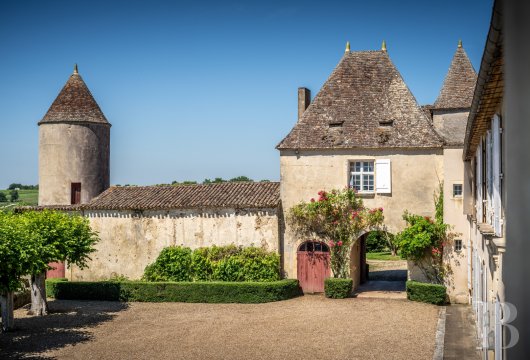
(132, 240)
(415, 177)
(72, 153)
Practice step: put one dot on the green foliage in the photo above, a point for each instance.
(240, 178)
(3, 197)
(338, 217)
(439, 204)
(338, 288)
(173, 264)
(376, 241)
(428, 293)
(385, 255)
(216, 263)
(17, 251)
(22, 187)
(196, 292)
(60, 237)
(421, 235)
(13, 194)
(50, 287)
(217, 180)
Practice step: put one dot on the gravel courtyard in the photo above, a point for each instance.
(309, 327)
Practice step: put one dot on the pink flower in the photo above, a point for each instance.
(381, 209)
(339, 243)
(331, 244)
(312, 199)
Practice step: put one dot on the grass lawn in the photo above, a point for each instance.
(385, 255)
(25, 197)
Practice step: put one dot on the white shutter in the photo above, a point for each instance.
(496, 170)
(383, 177)
(478, 181)
(489, 180)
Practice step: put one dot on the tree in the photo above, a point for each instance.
(14, 195)
(17, 252)
(3, 197)
(58, 237)
(240, 178)
(338, 218)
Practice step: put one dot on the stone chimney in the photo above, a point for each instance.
(304, 99)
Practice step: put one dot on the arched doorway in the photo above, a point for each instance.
(313, 265)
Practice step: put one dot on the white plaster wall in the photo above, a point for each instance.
(457, 261)
(415, 177)
(130, 241)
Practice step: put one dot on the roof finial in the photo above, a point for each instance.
(383, 46)
(75, 69)
(460, 43)
(347, 47)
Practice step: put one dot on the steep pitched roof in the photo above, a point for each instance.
(74, 103)
(459, 84)
(233, 195)
(363, 104)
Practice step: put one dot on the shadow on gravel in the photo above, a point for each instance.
(66, 324)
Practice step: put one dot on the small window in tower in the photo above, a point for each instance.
(76, 193)
(337, 124)
(458, 245)
(457, 190)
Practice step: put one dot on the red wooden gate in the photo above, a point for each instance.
(58, 270)
(313, 265)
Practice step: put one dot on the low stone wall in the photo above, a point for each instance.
(131, 240)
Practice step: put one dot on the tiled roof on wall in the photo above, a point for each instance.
(74, 103)
(364, 104)
(231, 195)
(459, 84)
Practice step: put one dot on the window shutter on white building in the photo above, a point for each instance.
(478, 181)
(383, 176)
(489, 181)
(496, 170)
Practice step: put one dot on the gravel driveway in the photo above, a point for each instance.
(309, 327)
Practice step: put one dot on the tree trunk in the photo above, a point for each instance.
(39, 306)
(6, 303)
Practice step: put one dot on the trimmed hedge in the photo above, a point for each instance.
(428, 293)
(196, 292)
(338, 288)
(50, 288)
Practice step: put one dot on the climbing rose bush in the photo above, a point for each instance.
(338, 218)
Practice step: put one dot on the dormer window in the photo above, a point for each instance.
(386, 123)
(337, 124)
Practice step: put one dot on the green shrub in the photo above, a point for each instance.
(197, 292)
(201, 265)
(424, 292)
(376, 241)
(173, 264)
(216, 263)
(50, 288)
(338, 288)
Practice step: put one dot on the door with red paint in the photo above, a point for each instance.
(313, 265)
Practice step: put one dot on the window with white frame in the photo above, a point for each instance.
(362, 176)
(457, 190)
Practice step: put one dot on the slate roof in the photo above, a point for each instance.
(459, 84)
(74, 103)
(364, 104)
(232, 195)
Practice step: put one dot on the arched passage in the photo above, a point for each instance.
(313, 265)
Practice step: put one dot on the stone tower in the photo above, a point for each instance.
(74, 147)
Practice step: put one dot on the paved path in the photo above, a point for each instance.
(309, 327)
(460, 335)
(382, 290)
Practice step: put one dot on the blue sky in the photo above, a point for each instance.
(198, 89)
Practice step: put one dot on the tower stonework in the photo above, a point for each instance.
(74, 147)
